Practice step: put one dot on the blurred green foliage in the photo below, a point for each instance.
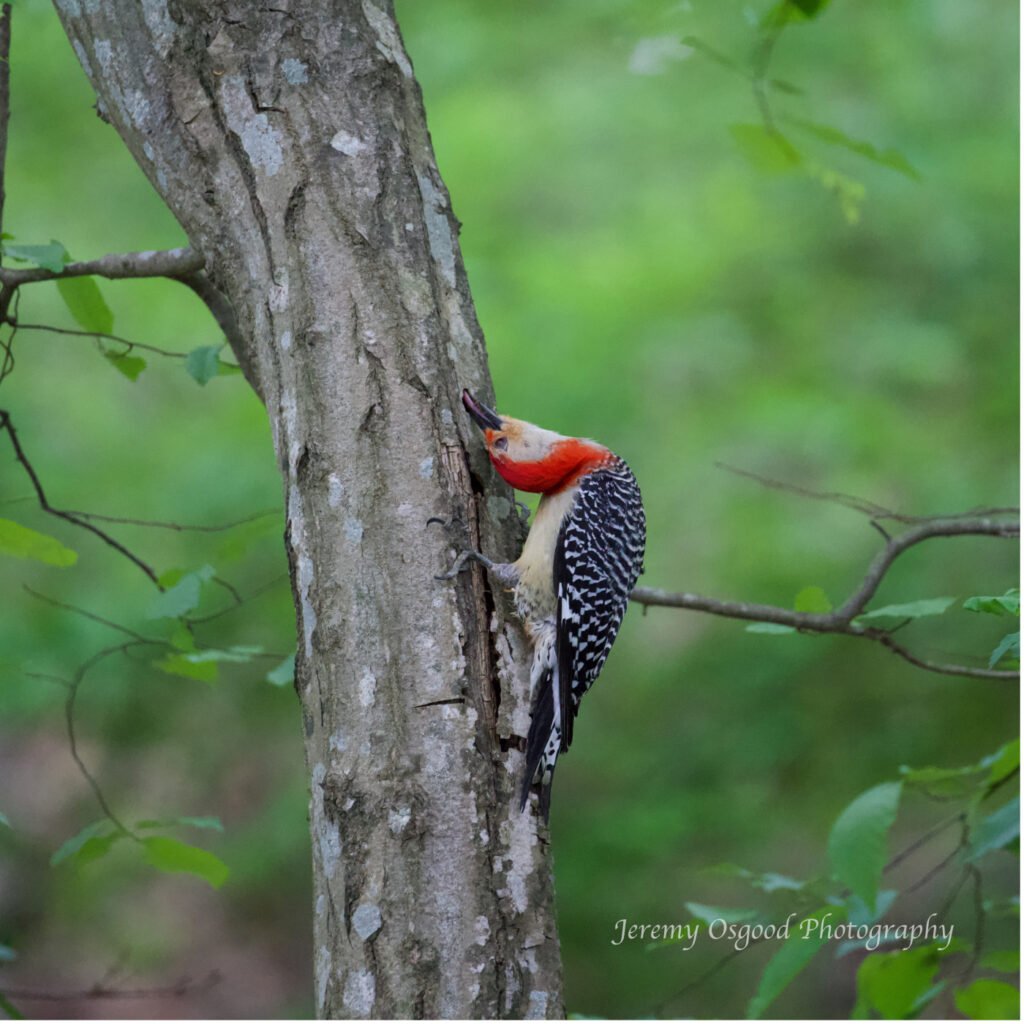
(845, 322)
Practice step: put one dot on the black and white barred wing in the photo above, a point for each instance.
(598, 557)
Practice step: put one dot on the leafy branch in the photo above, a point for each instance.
(852, 617)
(904, 971)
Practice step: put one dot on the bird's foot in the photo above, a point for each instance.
(463, 560)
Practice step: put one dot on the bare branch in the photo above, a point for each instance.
(841, 620)
(176, 263)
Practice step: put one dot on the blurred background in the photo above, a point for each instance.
(646, 274)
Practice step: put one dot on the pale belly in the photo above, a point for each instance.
(535, 591)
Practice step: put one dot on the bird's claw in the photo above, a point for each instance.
(462, 561)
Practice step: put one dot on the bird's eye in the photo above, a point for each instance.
(501, 444)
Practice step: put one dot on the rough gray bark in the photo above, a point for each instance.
(289, 139)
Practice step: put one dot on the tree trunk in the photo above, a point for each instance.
(290, 141)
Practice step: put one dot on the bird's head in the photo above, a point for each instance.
(531, 458)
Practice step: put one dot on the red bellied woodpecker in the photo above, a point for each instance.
(572, 581)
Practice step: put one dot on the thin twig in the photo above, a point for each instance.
(5, 99)
(179, 527)
(921, 840)
(258, 592)
(92, 616)
(101, 991)
(69, 722)
(857, 504)
(842, 620)
(6, 424)
(74, 333)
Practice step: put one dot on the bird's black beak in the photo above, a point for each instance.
(482, 416)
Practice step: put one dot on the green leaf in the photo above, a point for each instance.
(857, 842)
(130, 366)
(1005, 604)
(1004, 761)
(21, 542)
(183, 639)
(999, 829)
(284, 673)
(891, 158)
(809, 8)
(730, 915)
(1010, 644)
(770, 881)
(942, 782)
(203, 363)
(71, 846)
(238, 653)
(859, 913)
(50, 257)
(812, 599)
(893, 984)
(202, 822)
(804, 941)
(13, 1013)
(986, 999)
(767, 151)
(716, 55)
(769, 627)
(94, 848)
(85, 302)
(4, 820)
(183, 596)
(1005, 961)
(172, 855)
(913, 610)
(179, 665)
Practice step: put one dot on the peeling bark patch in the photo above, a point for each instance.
(104, 53)
(350, 145)
(388, 42)
(367, 920)
(521, 840)
(398, 819)
(335, 490)
(538, 1009)
(71, 8)
(260, 139)
(83, 57)
(427, 467)
(159, 22)
(323, 976)
(286, 341)
(353, 529)
(367, 689)
(360, 993)
(303, 564)
(481, 931)
(439, 231)
(294, 71)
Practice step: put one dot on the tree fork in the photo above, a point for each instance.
(291, 144)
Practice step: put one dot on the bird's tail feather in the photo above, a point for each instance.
(542, 745)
